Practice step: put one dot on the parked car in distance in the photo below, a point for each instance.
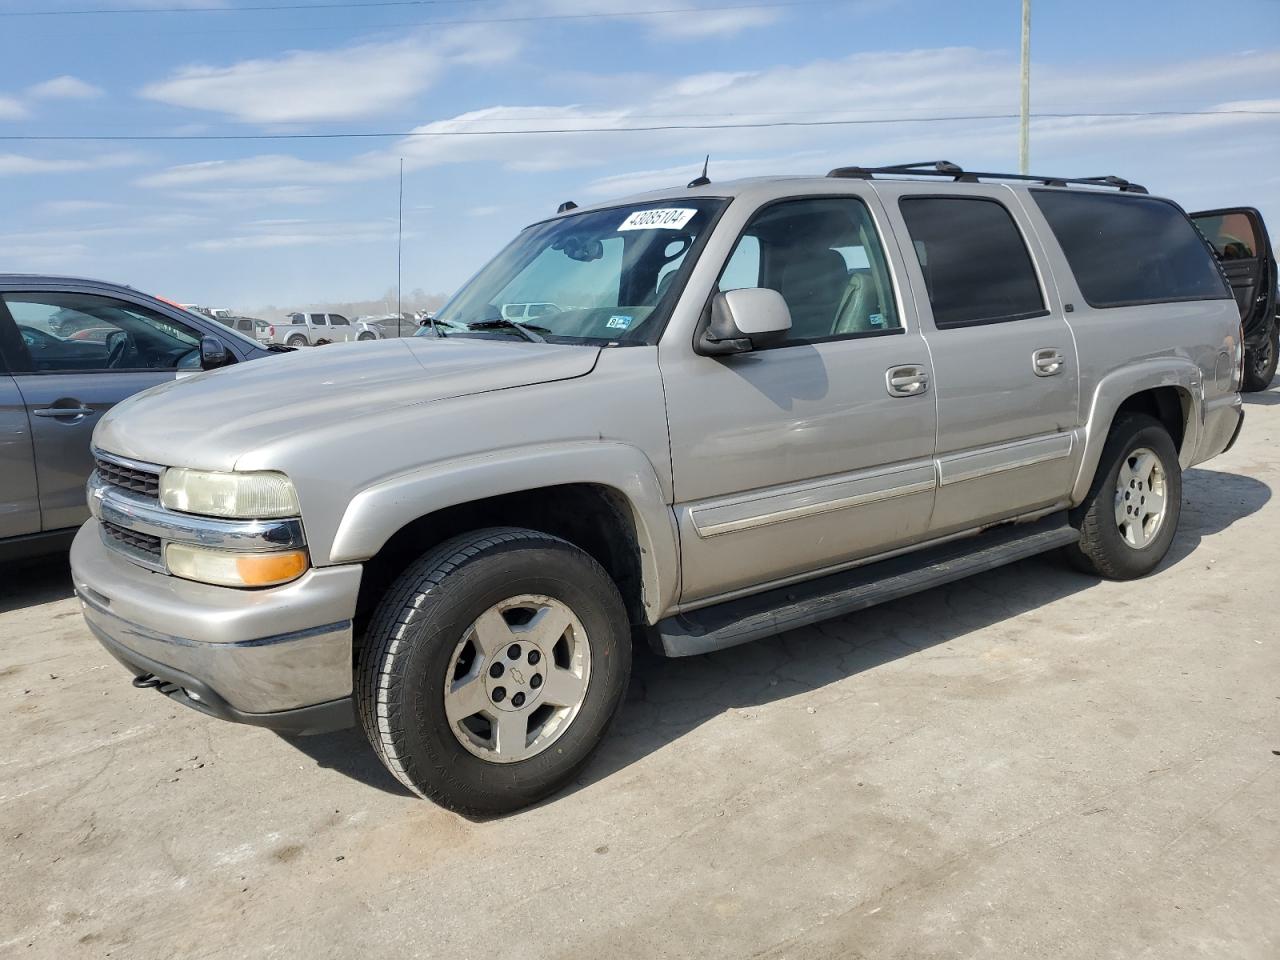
(780, 400)
(390, 324)
(1239, 240)
(259, 330)
(317, 329)
(528, 312)
(69, 350)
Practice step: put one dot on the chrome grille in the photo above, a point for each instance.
(129, 478)
(140, 542)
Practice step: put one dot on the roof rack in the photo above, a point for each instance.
(945, 168)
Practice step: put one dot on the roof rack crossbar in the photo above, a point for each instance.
(945, 168)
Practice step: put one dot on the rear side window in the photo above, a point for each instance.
(1127, 250)
(975, 264)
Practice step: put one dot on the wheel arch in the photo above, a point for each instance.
(604, 498)
(1171, 392)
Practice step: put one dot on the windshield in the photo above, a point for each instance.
(601, 276)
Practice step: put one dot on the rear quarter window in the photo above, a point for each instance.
(1127, 250)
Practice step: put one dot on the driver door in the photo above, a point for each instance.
(68, 376)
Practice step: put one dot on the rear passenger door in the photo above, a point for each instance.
(1005, 369)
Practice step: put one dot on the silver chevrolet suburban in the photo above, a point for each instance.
(757, 405)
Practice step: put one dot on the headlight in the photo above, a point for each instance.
(229, 569)
(252, 496)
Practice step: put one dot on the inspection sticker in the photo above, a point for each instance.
(668, 218)
(619, 322)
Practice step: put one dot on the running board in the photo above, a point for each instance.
(785, 608)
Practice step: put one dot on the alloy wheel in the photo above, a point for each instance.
(1140, 497)
(517, 678)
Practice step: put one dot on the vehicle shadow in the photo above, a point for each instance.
(348, 752)
(668, 699)
(28, 583)
(1265, 398)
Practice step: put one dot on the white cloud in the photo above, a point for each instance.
(71, 207)
(11, 108)
(23, 255)
(351, 83)
(16, 164)
(863, 89)
(484, 211)
(65, 87)
(276, 234)
(267, 168)
(690, 23)
(255, 197)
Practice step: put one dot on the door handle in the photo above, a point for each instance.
(81, 411)
(906, 381)
(1047, 362)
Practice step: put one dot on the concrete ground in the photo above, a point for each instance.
(1027, 764)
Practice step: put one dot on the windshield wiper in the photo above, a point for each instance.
(525, 330)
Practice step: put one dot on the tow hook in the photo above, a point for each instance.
(147, 681)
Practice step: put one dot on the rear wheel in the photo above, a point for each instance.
(1260, 361)
(492, 668)
(297, 340)
(1128, 521)
(366, 336)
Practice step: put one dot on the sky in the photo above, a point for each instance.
(291, 217)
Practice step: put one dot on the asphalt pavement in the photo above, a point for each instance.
(1027, 764)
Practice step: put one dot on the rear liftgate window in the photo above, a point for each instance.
(1127, 250)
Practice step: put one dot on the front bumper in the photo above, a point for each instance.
(279, 657)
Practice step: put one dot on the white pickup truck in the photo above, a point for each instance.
(316, 329)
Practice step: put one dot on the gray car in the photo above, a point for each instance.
(760, 404)
(69, 350)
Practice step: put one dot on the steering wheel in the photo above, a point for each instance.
(121, 345)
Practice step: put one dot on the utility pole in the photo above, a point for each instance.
(399, 244)
(1024, 132)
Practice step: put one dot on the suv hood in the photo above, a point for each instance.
(208, 421)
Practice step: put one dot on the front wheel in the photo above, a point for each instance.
(1128, 521)
(492, 668)
(1260, 361)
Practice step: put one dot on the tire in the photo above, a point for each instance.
(297, 340)
(421, 648)
(1260, 362)
(366, 336)
(1107, 548)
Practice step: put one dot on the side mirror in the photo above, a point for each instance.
(744, 320)
(213, 353)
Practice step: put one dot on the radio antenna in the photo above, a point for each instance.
(703, 180)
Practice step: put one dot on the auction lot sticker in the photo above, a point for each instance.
(668, 218)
